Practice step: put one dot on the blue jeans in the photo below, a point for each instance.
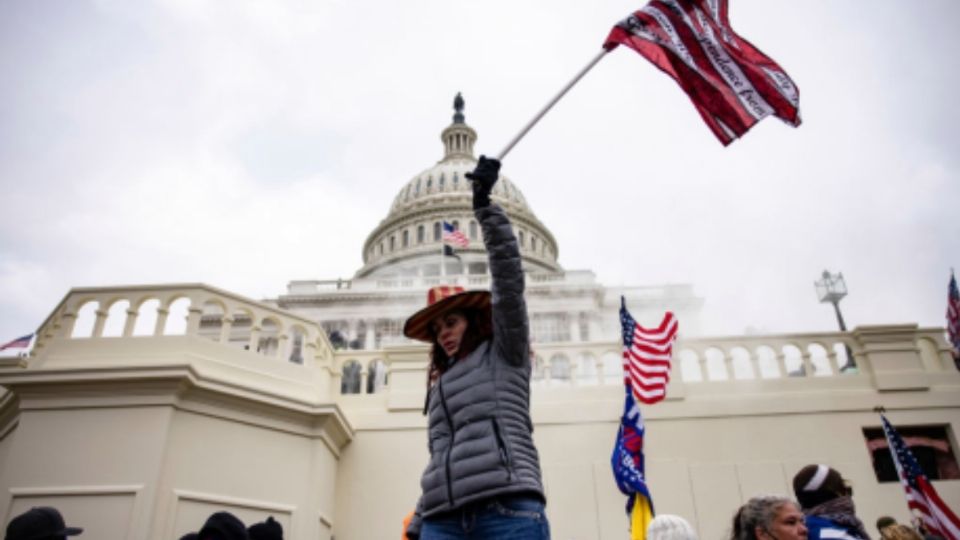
(501, 518)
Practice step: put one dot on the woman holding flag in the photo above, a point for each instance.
(483, 479)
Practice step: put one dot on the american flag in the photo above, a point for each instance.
(19, 343)
(646, 355)
(453, 237)
(953, 316)
(922, 498)
(732, 83)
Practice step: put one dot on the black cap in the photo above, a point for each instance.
(37, 523)
(223, 526)
(268, 530)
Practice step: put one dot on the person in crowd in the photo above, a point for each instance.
(769, 517)
(827, 502)
(40, 523)
(223, 526)
(266, 530)
(483, 479)
(898, 531)
(884, 522)
(670, 527)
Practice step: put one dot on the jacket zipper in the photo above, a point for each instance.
(501, 445)
(446, 412)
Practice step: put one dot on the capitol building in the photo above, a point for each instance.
(143, 409)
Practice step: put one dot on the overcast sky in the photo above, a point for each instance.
(247, 144)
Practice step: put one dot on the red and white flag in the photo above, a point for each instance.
(646, 355)
(731, 82)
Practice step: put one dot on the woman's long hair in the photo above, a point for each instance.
(479, 328)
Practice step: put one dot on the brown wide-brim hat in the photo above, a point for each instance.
(440, 300)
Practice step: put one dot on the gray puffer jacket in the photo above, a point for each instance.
(480, 432)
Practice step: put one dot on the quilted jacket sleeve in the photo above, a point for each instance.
(510, 325)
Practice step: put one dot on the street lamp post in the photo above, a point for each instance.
(832, 288)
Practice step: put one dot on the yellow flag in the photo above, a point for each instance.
(640, 517)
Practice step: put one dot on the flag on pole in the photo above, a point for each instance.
(452, 236)
(19, 343)
(643, 350)
(953, 317)
(732, 83)
(922, 498)
(646, 356)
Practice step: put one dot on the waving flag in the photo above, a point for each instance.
(646, 370)
(953, 317)
(646, 356)
(19, 343)
(452, 236)
(922, 498)
(732, 84)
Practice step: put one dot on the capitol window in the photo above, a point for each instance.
(520, 237)
(930, 446)
(550, 327)
(473, 230)
(380, 247)
(406, 239)
(393, 242)
(436, 231)
(420, 234)
(350, 378)
(533, 243)
(440, 183)
(456, 180)
(429, 184)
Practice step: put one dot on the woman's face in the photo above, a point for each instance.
(787, 525)
(449, 329)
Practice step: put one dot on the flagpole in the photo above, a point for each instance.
(503, 153)
(443, 270)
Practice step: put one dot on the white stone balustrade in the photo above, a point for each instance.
(887, 357)
(118, 312)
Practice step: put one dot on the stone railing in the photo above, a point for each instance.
(889, 357)
(307, 287)
(184, 309)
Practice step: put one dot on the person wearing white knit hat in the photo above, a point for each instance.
(670, 527)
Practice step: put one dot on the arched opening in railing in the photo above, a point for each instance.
(86, 320)
(767, 364)
(116, 319)
(793, 361)
(350, 377)
(714, 361)
(740, 363)
(587, 369)
(269, 337)
(560, 369)
(297, 339)
(146, 324)
(376, 376)
(176, 324)
(819, 360)
(612, 367)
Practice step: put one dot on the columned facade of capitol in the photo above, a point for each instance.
(141, 410)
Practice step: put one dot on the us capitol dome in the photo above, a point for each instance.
(402, 260)
(408, 242)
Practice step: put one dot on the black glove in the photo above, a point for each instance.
(483, 177)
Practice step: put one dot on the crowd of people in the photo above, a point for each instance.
(823, 509)
(47, 523)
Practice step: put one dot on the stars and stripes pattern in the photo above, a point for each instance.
(732, 83)
(922, 498)
(953, 316)
(646, 356)
(19, 343)
(454, 237)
